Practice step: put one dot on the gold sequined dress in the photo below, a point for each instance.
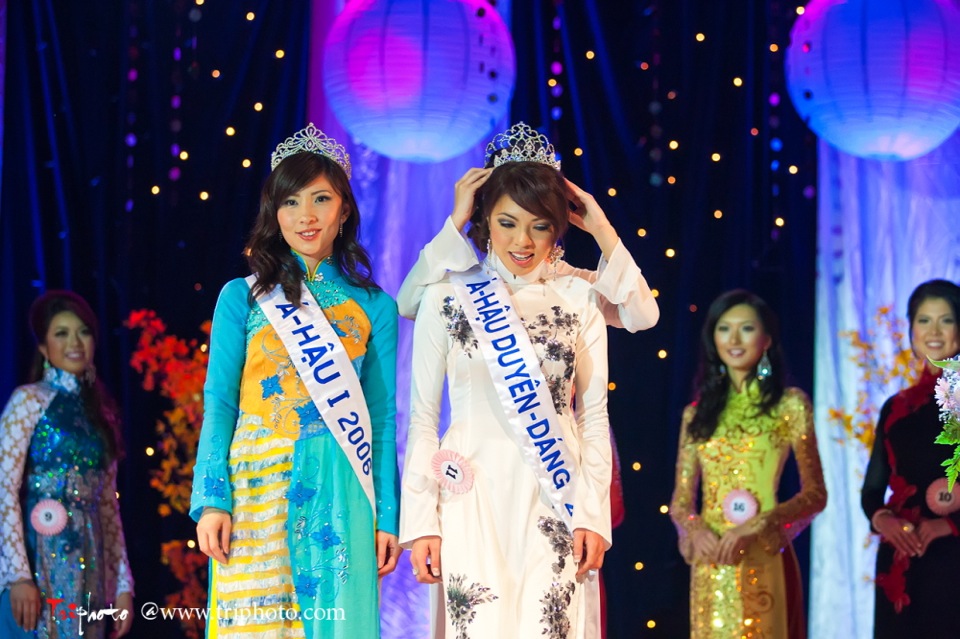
(761, 597)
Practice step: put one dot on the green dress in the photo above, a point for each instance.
(760, 597)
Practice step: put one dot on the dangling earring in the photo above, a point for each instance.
(723, 370)
(556, 254)
(764, 369)
(46, 364)
(341, 230)
(488, 246)
(90, 374)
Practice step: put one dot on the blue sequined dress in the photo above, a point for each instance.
(59, 515)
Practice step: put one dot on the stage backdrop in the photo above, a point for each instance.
(884, 227)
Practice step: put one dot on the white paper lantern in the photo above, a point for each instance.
(419, 80)
(877, 78)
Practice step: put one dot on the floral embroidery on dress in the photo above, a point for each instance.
(306, 585)
(214, 487)
(271, 386)
(556, 355)
(322, 570)
(462, 601)
(560, 540)
(556, 600)
(347, 327)
(300, 494)
(555, 603)
(308, 413)
(458, 326)
(327, 537)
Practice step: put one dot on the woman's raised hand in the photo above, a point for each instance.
(465, 190)
(588, 216)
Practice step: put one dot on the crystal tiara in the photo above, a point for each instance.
(520, 143)
(313, 140)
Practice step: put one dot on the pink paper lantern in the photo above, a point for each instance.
(419, 80)
(877, 78)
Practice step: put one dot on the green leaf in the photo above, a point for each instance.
(953, 468)
(950, 433)
(949, 364)
(944, 438)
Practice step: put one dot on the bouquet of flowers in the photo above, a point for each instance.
(948, 398)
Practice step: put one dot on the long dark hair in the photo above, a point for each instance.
(269, 256)
(98, 404)
(712, 383)
(534, 186)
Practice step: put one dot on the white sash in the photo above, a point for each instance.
(327, 373)
(524, 395)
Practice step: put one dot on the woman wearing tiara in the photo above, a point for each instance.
(295, 487)
(622, 292)
(510, 511)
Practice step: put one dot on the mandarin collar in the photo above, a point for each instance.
(62, 380)
(325, 269)
(749, 394)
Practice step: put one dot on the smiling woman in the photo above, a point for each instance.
(521, 214)
(311, 219)
(61, 538)
(520, 239)
(295, 486)
(919, 556)
(69, 343)
(734, 440)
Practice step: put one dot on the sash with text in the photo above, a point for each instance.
(523, 391)
(328, 375)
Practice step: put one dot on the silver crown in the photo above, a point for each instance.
(313, 140)
(520, 143)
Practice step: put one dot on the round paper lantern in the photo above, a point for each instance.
(877, 78)
(419, 80)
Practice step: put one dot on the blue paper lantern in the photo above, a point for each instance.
(877, 78)
(419, 80)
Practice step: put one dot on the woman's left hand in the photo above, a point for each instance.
(930, 529)
(588, 216)
(734, 543)
(588, 550)
(388, 552)
(124, 618)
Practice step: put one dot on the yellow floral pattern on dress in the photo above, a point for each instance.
(270, 377)
(746, 452)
